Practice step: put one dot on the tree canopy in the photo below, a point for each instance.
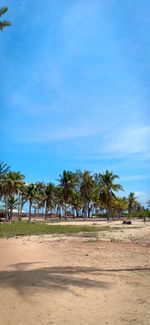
(78, 193)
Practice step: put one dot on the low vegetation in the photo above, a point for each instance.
(25, 228)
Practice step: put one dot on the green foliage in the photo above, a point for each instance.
(77, 194)
(25, 228)
(139, 214)
(4, 23)
(107, 189)
(67, 182)
(4, 169)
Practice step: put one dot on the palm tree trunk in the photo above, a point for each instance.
(89, 209)
(11, 214)
(46, 212)
(85, 210)
(108, 213)
(6, 210)
(30, 206)
(77, 214)
(19, 208)
(65, 208)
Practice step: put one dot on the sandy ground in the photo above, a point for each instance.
(77, 280)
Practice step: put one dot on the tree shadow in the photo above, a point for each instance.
(29, 281)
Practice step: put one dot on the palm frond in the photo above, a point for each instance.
(3, 10)
(4, 23)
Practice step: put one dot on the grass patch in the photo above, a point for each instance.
(24, 228)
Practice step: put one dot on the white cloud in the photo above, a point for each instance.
(134, 177)
(59, 133)
(142, 196)
(131, 141)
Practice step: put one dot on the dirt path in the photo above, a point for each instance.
(68, 281)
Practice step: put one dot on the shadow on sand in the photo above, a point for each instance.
(29, 281)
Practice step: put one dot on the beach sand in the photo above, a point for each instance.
(69, 280)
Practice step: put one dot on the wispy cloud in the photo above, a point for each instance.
(133, 140)
(143, 196)
(134, 177)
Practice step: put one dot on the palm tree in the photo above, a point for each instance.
(59, 200)
(40, 196)
(119, 205)
(107, 189)
(30, 194)
(21, 200)
(50, 198)
(131, 200)
(4, 23)
(97, 203)
(4, 169)
(86, 190)
(76, 202)
(11, 185)
(67, 183)
(12, 203)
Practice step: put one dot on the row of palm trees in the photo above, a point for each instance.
(77, 193)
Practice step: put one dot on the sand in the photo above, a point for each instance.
(77, 280)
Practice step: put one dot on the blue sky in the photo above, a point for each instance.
(74, 89)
